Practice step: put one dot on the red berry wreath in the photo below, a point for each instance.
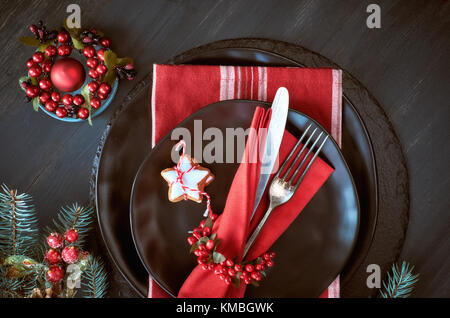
(53, 75)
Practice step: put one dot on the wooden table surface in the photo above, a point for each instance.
(404, 64)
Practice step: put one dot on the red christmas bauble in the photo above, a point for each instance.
(71, 235)
(52, 256)
(55, 240)
(67, 74)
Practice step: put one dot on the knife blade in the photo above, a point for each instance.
(280, 107)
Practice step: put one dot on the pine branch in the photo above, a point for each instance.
(18, 223)
(95, 279)
(400, 283)
(77, 217)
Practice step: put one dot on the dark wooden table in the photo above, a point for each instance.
(404, 64)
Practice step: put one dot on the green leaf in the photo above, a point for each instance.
(29, 40)
(213, 236)
(34, 80)
(36, 104)
(110, 59)
(124, 61)
(235, 281)
(110, 76)
(74, 32)
(77, 44)
(87, 102)
(194, 247)
(255, 283)
(208, 222)
(218, 257)
(21, 80)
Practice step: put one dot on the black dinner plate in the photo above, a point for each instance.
(129, 140)
(324, 233)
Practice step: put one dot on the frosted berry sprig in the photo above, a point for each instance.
(204, 245)
(61, 254)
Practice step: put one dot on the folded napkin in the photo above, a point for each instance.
(239, 206)
(179, 91)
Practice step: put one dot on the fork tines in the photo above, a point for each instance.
(288, 177)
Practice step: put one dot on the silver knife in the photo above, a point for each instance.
(280, 107)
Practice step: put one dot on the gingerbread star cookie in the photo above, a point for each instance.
(187, 180)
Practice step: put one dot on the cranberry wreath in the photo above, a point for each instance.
(54, 77)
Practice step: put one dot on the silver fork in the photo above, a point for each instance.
(282, 188)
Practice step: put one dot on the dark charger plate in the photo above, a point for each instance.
(324, 233)
(128, 141)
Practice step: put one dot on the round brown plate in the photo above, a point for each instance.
(126, 143)
(324, 233)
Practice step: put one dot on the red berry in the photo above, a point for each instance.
(70, 254)
(245, 275)
(211, 266)
(51, 105)
(67, 99)
(209, 245)
(45, 83)
(231, 272)
(105, 42)
(222, 276)
(51, 50)
(105, 88)
(78, 99)
(102, 96)
(266, 256)
(93, 86)
(64, 50)
(203, 253)
(197, 252)
(33, 29)
(55, 240)
(47, 66)
(89, 51)
(218, 269)
(52, 256)
(256, 276)
(205, 267)
(207, 231)
(101, 54)
(32, 91)
(101, 69)
(191, 240)
(92, 62)
(213, 217)
(35, 71)
(196, 235)
(55, 274)
(129, 66)
(38, 57)
(249, 268)
(71, 235)
(247, 281)
(228, 280)
(45, 96)
(229, 262)
(202, 224)
(63, 36)
(238, 268)
(202, 260)
(30, 63)
(259, 267)
(272, 254)
(61, 112)
(95, 103)
(269, 263)
(202, 247)
(56, 96)
(93, 73)
(83, 113)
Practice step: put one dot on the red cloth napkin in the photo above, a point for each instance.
(179, 91)
(239, 206)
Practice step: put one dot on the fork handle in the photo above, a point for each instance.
(256, 231)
